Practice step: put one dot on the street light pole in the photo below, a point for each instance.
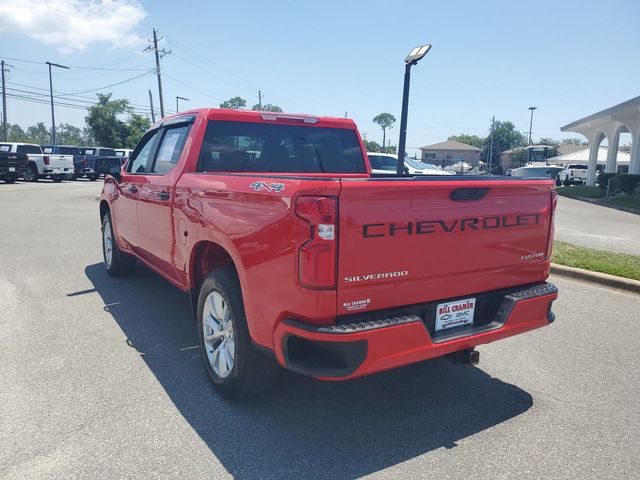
(531, 123)
(180, 98)
(53, 116)
(412, 59)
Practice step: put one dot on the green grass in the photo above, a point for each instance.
(580, 191)
(619, 264)
(630, 201)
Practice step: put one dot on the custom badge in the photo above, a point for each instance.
(270, 187)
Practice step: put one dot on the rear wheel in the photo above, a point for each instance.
(57, 178)
(10, 179)
(237, 369)
(117, 263)
(30, 174)
(92, 176)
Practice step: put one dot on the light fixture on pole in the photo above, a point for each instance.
(180, 98)
(413, 58)
(53, 117)
(531, 123)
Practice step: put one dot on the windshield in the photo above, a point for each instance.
(68, 150)
(87, 151)
(29, 149)
(265, 147)
(415, 163)
(120, 153)
(107, 152)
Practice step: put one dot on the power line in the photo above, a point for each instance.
(111, 85)
(79, 67)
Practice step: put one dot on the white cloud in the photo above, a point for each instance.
(73, 25)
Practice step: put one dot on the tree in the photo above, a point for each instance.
(385, 120)
(505, 137)
(573, 141)
(106, 125)
(267, 107)
(70, 135)
(371, 146)
(473, 140)
(15, 133)
(235, 103)
(39, 134)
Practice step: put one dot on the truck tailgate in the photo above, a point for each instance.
(60, 161)
(408, 241)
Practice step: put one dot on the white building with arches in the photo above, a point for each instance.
(609, 124)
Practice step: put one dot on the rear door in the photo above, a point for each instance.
(403, 242)
(156, 236)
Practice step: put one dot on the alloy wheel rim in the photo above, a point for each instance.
(218, 334)
(108, 243)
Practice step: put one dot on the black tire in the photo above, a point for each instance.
(10, 179)
(566, 182)
(30, 174)
(57, 178)
(121, 264)
(93, 177)
(253, 372)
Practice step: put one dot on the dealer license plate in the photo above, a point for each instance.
(455, 314)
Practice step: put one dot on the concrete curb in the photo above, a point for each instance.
(596, 277)
(601, 203)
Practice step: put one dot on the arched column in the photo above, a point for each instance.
(594, 145)
(634, 165)
(612, 152)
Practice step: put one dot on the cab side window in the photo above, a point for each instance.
(170, 149)
(140, 161)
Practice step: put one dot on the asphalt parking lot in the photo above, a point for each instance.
(100, 379)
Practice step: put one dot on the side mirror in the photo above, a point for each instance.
(116, 173)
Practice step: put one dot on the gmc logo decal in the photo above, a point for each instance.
(376, 230)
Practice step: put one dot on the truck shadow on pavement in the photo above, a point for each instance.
(304, 428)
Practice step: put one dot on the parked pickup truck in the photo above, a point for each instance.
(55, 167)
(572, 174)
(293, 254)
(11, 164)
(95, 161)
(62, 150)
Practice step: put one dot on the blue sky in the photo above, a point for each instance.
(568, 58)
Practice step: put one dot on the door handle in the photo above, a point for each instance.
(133, 190)
(163, 195)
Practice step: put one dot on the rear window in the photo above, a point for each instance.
(68, 150)
(87, 151)
(5, 148)
(578, 167)
(29, 149)
(107, 152)
(260, 147)
(47, 149)
(120, 153)
(382, 162)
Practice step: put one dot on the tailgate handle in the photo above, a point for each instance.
(468, 194)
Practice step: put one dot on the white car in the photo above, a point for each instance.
(55, 167)
(573, 174)
(387, 163)
(123, 154)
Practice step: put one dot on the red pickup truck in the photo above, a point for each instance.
(294, 254)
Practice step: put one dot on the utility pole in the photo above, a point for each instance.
(259, 100)
(178, 105)
(531, 123)
(159, 54)
(493, 121)
(3, 67)
(153, 114)
(53, 117)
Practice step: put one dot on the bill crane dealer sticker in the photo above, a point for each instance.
(357, 304)
(270, 187)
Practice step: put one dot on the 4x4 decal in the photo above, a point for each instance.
(271, 187)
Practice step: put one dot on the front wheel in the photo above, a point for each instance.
(236, 368)
(92, 176)
(117, 263)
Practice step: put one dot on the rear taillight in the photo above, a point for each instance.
(571, 173)
(318, 256)
(46, 159)
(84, 161)
(552, 209)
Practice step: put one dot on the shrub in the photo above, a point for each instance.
(628, 182)
(604, 178)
